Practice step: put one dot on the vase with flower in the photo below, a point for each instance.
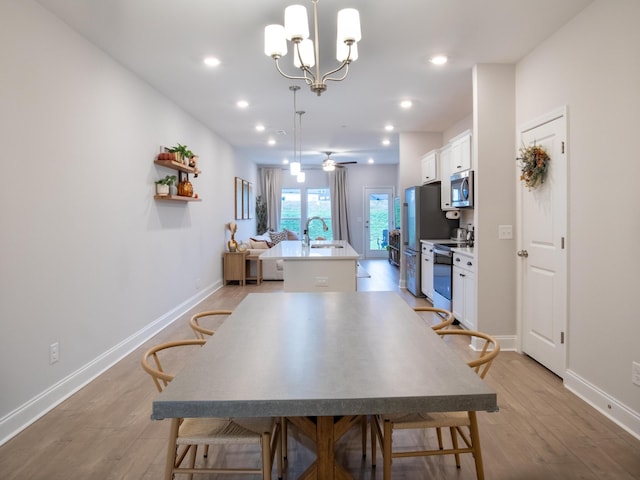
(232, 244)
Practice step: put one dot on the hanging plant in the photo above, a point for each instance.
(534, 161)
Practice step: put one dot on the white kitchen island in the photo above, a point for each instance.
(323, 266)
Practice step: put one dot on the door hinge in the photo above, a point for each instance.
(561, 338)
(563, 147)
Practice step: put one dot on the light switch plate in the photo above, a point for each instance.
(505, 232)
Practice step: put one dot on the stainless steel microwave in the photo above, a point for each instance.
(462, 189)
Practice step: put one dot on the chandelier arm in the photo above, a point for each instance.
(291, 77)
(311, 78)
(325, 77)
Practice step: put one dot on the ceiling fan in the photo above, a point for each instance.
(329, 164)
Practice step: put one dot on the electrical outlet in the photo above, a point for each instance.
(54, 353)
(635, 373)
(505, 232)
(322, 281)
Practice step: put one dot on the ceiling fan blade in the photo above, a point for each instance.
(346, 163)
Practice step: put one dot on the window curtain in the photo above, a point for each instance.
(338, 186)
(271, 185)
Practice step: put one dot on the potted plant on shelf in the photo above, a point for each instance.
(181, 152)
(163, 185)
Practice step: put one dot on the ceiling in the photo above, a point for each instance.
(165, 42)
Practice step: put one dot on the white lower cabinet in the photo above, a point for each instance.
(463, 290)
(427, 270)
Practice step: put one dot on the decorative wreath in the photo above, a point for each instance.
(535, 163)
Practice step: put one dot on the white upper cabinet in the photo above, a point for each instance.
(445, 175)
(461, 152)
(430, 170)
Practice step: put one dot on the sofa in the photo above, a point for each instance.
(272, 269)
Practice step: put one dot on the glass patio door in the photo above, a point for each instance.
(378, 214)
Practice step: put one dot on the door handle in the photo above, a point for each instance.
(523, 253)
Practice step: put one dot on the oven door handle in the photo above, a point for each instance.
(446, 253)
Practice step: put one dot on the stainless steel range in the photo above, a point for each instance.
(443, 273)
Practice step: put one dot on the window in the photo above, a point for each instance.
(319, 205)
(291, 210)
(298, 205)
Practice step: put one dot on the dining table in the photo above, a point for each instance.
(322, 359)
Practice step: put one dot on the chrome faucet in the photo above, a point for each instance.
(305, 236)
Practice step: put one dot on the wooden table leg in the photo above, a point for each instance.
(325, 433)
(324, 447)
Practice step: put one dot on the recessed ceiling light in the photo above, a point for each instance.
(406, 104)
(242, 104)
(388, 128)
(271, 141)
(260, 127)
(211, 61)
(285, 161)
(371, 160)
(439, 59)
(386, 142)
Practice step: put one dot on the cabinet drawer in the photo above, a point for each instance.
(465, 262)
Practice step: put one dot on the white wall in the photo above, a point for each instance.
(494, 164)
(592, 66)
(88, 258)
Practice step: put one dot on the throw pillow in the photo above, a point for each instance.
(257, 244)
(277, 237)
(291, 235)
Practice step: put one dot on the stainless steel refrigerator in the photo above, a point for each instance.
(422, 220)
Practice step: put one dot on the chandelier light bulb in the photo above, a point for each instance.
(275, 42)
(349, 26)
(296, 23)
(306, 53)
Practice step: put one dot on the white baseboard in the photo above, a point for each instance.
(23, 416)
(508, 343)
(617, 412)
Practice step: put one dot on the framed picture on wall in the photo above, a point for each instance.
(251, 203)
(239, 197)
(245, 199)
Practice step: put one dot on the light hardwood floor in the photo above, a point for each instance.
(541, 432)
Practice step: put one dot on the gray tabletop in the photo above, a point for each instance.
(321, 354)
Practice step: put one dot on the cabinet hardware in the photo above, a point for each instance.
(469, 263)
(562, 147)
(523, 253)
(562, 338)
(562, 243)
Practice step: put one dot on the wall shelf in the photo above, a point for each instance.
(181, 167)
(176, 198)
(182, 170)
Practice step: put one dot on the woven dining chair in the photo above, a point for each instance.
(446, 315)
(186, 434)
(201, 331)
(462, 425)
(446, 319)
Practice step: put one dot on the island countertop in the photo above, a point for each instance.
(294, 250)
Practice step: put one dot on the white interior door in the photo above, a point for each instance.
(378, 206)
(543, 226)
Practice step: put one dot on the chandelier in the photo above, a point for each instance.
(306, 52)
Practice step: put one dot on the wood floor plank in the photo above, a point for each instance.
(542, 431)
